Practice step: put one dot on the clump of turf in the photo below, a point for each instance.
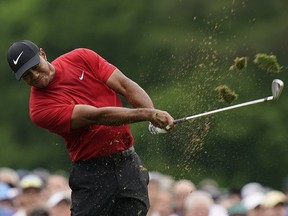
(226, 94)
(239, 63)
(267, 63)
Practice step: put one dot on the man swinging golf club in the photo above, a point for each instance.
(75, 96)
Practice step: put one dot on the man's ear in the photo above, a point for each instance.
(42, 53)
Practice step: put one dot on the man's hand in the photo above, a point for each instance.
(161, 122)
(162, 119)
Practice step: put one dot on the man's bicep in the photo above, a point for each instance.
(120, 83)
(80, 116)
(133, 93)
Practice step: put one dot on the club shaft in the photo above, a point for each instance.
(224, 109)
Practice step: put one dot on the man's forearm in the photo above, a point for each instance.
(84, 115)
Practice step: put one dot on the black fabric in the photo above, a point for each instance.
(110, 186)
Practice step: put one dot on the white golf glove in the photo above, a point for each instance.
(156, 130)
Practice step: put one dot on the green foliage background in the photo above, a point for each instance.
(178, 51)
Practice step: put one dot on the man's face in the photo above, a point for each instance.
(41, 74)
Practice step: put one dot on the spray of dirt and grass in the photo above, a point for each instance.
(202, 84)
(225, 94)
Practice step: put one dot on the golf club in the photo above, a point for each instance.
(277, 87)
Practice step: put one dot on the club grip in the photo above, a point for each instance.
(176, 121)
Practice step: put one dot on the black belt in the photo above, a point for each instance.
(114, 157)
(124, 153)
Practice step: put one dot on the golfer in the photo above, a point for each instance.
(76, 97)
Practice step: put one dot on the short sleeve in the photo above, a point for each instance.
(55, 118)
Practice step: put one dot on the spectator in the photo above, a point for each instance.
(210, 186)
(154, 186)
(251, 188)
(181, 189)
(253, 203)
(55, 183)
(159, 193)
(237, 210)
(60, 203)
(198, 203)
(218, 210)
(9, 176)
(163, 205)
(42, 173)
(274, 203)
(234, 195)
(6, 200)
(40, 210)
(30, 196)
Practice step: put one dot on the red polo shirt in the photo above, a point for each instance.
(80, 78)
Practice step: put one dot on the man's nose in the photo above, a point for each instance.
(33, 73)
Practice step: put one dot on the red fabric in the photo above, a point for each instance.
(52, 107)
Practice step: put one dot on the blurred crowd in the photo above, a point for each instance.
(34, 193)
(169, 197)
(42, 193)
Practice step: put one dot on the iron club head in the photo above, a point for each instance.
(277, 87)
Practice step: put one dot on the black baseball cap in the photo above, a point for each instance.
(22, 56)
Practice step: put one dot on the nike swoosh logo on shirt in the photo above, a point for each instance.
(17, 59)
(82, 75)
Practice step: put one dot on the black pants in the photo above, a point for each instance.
(110, 186)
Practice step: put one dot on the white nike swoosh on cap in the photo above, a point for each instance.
(17, 59)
